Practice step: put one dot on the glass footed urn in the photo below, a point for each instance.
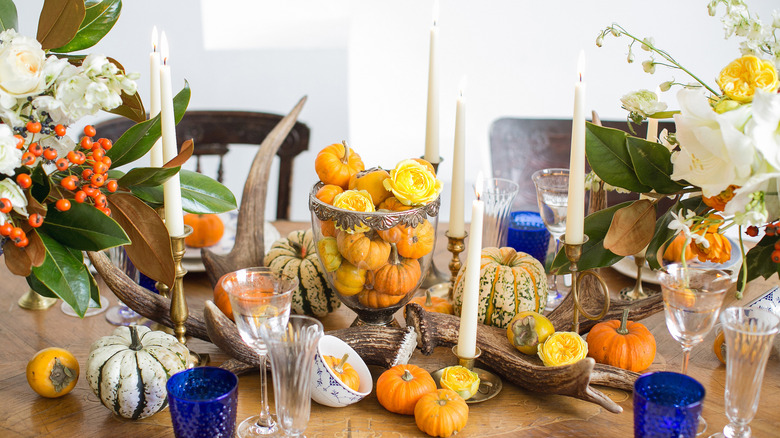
(374, 261)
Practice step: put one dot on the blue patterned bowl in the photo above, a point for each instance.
(328, 389)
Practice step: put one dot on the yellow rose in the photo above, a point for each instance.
(413, 183)
(742, 77)
(355, 200)
(460, 380)
(563, 348)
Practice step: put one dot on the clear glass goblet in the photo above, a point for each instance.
(749, 334)
(259, 297)
(552, 194)
(121, 314)
(692, 301)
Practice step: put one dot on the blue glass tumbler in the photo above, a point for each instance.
(667, 405)
(203, 402)
(528, 234)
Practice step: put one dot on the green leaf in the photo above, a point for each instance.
(59, 21)
(608, 156)
(593, 253)
(663, 235)
(200, 194)
(653, 165)
(152, 196)
(42, 185)
(63, 274)
(147, 176)
(100, 16)
(8, 15)
(137, 140)
(663, 114)
(132, 107)
(759, 259)
(85, 228)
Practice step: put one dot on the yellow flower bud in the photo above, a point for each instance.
(461, 380)
(742, 77)
(413, 183)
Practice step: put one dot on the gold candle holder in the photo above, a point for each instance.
(489, 384)
(456, 246)
(34, 301)
(574, 253)
(637, 292)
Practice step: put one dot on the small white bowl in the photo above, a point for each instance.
(328, 389)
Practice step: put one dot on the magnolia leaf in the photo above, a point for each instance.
(631, 229)
(42, 184)
(84, 228)
(65, 274)
(150, 250)
(608, 156)
(663, 235)
(59, 22)
(653, 165)
(137, 140)
(16, 259)
(132, 107)
(99, 17)
(146, 177)
(8, 15)
(593, 253)
(33, 206)
(759, 260)
(34, 249)
(200, 194)
(184, 154)
(663, 114)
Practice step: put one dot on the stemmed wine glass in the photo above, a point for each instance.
(692, 301)
(552, 194)
(121, 314)
(258, 297)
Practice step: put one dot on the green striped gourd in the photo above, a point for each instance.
(296, 256)
(128, 370)
(510, 282)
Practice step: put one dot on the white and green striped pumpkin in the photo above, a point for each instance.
(509, 282)
(296, 256)
(128, 370)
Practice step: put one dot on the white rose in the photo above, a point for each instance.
(21, 65)
(714, 152)
(9, 189)
(642, 102)
(10, 157)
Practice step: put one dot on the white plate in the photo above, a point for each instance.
(191, 259)
(627, 267)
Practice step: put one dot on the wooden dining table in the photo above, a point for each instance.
(513, 412)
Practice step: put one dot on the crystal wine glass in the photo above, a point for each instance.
(692, 301)
(259, 297)
(552, 194)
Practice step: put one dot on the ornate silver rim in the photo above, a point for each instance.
(383, 220)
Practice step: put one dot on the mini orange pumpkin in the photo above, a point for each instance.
(623, 344)
(335, 164)
(399, 388)
(399, 276)
(371, 181)
(344, 371)
(719, 346)
(207, 230)
(433, 304)
(364, 250)
(417, 241)
(222, 300)
(326, 194)
(378, 300)
(441, 413)
(673, 252)
(393, 204)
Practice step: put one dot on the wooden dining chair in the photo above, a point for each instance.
(519, 147)
(214, 131)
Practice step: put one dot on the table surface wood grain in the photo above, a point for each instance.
(514, 412)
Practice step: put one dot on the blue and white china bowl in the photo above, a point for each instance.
(327, 389)
(769, 301)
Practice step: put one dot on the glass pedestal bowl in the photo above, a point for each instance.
(374, 261)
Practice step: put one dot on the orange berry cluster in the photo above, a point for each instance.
(771, 229)
(87, 186)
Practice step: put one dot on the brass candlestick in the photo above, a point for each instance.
(489, 384)
(574, 253)
(456, 246)
(636, 292)
(34, 301)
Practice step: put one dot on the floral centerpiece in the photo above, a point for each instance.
(721, 166)
(58, 197)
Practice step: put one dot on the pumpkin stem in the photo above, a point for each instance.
(407, 376)
(395, 260)
(339, 368)
(623, 330)
(345, 160)
(135, 341)
(298, 248)
(428, 300)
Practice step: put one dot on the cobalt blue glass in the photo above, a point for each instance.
(667, 405)
(528, 234)
(203, 402)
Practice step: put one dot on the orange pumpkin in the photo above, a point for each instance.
(623, 344)
(335, 164)
(673, 252)
(222, 300)
(364, 250)
(417, 241)
(399, 388)
(433, 304)
(441, 413)
(207, 230)
(378, 300)
(343, 371)
(426, 163)
(349, 279)
(393, 204)
(326, 194)
(719, 346)
(371, 181)
(399, 276)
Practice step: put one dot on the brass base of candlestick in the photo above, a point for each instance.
(34, 301)
(574, 253)
(489, 384)
(636, 292)
(456, 246)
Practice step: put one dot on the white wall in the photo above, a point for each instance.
(363, 64)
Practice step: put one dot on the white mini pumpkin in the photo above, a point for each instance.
(128, 370)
